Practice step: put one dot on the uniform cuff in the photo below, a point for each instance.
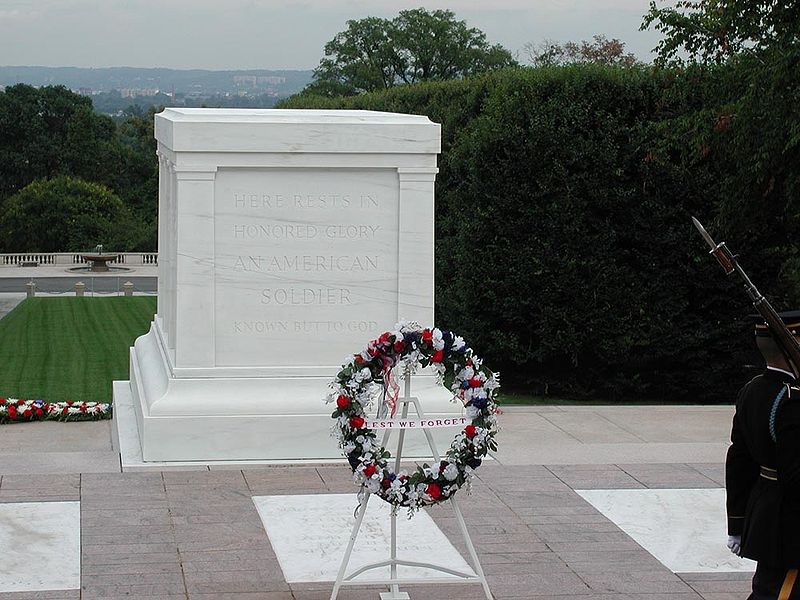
(735, 525)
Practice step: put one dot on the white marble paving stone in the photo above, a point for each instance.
(41, 546)
(310, 534)
(684, 529)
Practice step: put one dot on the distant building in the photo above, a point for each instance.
(134, 92)
(250, 80)
(255, 81)
(271, 80)
(85, 91)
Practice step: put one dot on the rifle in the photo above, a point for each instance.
(782, 336)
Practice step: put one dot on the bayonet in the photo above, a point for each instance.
(709, 240)
(782, 336)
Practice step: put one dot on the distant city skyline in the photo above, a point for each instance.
(272, 34)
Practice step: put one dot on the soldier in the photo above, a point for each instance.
(762, 471)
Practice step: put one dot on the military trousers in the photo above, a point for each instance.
(770, 582)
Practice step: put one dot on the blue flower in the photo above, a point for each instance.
(465, 384)
(480, 402)
(447, 337)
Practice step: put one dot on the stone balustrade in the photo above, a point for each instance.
(30, 259)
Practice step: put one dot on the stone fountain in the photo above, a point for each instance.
(98, 260)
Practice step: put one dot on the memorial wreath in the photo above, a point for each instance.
(370, 374)
(12, 409)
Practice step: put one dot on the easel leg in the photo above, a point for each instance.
(353, 535)
(394, 589)
(472, 553)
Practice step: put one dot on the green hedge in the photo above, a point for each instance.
(565, 251)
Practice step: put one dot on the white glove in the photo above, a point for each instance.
(735, 544)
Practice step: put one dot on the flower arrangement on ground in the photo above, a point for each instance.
(14, 410)
(359, 383)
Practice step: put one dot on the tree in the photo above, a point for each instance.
(65, 214)
(751, 133)
(600, 50)
(712, 31)
(50, 131)
(417, 45)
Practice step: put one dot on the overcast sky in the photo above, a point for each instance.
(273, 34)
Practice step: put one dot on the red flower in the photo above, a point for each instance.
(39, 412)
(343, 402)
(83, 408)
(384, 339)
(12, 411)
(65, 410)
(359, 359)
(369, 470)
(475, 382)
(27, 412)
(427, 336)
(386, 484)
(470, 431)
(433, 490)
(399, 346)
(2, 401)
(69, 402)
(356, 422)
(438, 356)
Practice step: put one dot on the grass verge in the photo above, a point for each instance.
(72, 348)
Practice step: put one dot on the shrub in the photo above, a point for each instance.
(65, 214)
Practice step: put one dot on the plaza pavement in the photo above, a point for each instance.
(196, 534)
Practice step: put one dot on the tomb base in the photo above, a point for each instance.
(162, 420)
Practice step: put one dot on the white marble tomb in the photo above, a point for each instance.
(41, 546)
(287, 240)
(310, 533)
(685, 529)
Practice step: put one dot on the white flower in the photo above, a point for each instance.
(493, 382)
(372, 485)
(458, 342)
(471, 412)
(437, 340)
(450, 472)
(408, 326)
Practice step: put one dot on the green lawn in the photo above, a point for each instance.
(70, 348)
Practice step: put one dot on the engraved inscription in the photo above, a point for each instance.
(305, 232)
(301, 254)
(306, 263)
(268, 327)
(305, 296)
(269, 201)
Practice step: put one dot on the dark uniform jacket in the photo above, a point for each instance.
(765, 508)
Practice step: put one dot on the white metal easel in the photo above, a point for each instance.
(393, 562)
